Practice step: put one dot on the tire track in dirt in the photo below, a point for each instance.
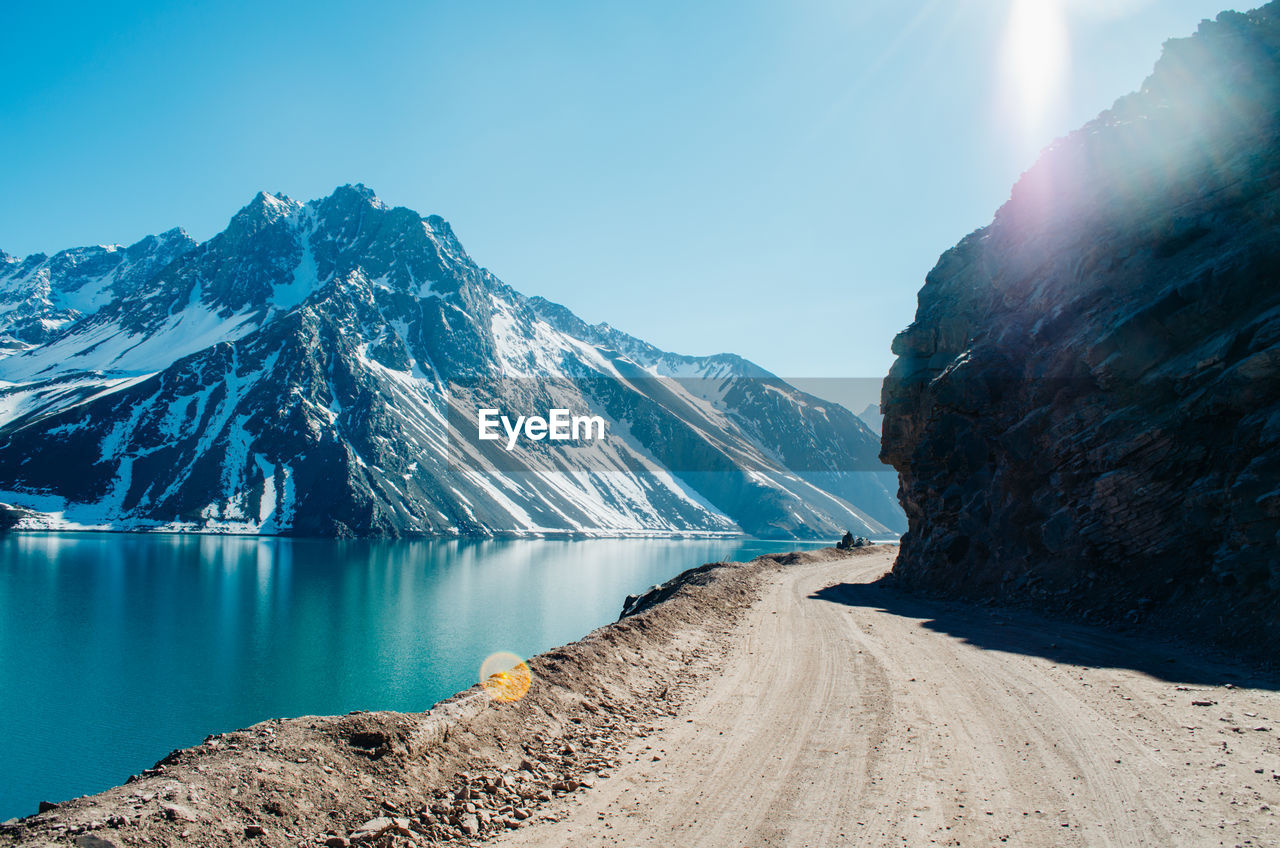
(843, 713)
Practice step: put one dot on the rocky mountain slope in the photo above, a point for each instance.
(1086, 409)
(872, 418)
(318, 369)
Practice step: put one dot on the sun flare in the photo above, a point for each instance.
(506, 677)
(1035, 56)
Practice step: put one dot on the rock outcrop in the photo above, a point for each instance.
(1086, 409)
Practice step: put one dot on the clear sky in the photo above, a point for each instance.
(772, 179)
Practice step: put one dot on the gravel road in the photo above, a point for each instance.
(843, 713)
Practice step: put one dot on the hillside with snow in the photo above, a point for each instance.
(316, 369)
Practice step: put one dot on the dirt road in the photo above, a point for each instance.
(846, 714)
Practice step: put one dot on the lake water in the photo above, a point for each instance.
(117, 648)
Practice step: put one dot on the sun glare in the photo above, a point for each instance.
(1035, 57)
(505, 677)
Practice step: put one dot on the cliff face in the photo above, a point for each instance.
(1086, 409)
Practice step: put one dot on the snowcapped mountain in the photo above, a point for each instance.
(872, 417)
(317, 369)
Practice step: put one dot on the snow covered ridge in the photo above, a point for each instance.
(309, 369)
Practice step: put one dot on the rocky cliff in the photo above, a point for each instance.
(1086, 409)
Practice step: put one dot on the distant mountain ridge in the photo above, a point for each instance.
(872, 417)
(313, 370)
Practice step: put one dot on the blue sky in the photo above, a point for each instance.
(771, 179)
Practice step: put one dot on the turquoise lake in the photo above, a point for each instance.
(117, 648)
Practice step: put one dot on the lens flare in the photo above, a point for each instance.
(1035, 57)
(506, 677)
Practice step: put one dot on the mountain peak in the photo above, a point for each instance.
(441, 228)
(175, 239)
(358, 190)
(351, 197)
(265, 208)
(266, 200)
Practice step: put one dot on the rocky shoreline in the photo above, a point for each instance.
(467, 769)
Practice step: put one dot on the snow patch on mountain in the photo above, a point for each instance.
(316, 368)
